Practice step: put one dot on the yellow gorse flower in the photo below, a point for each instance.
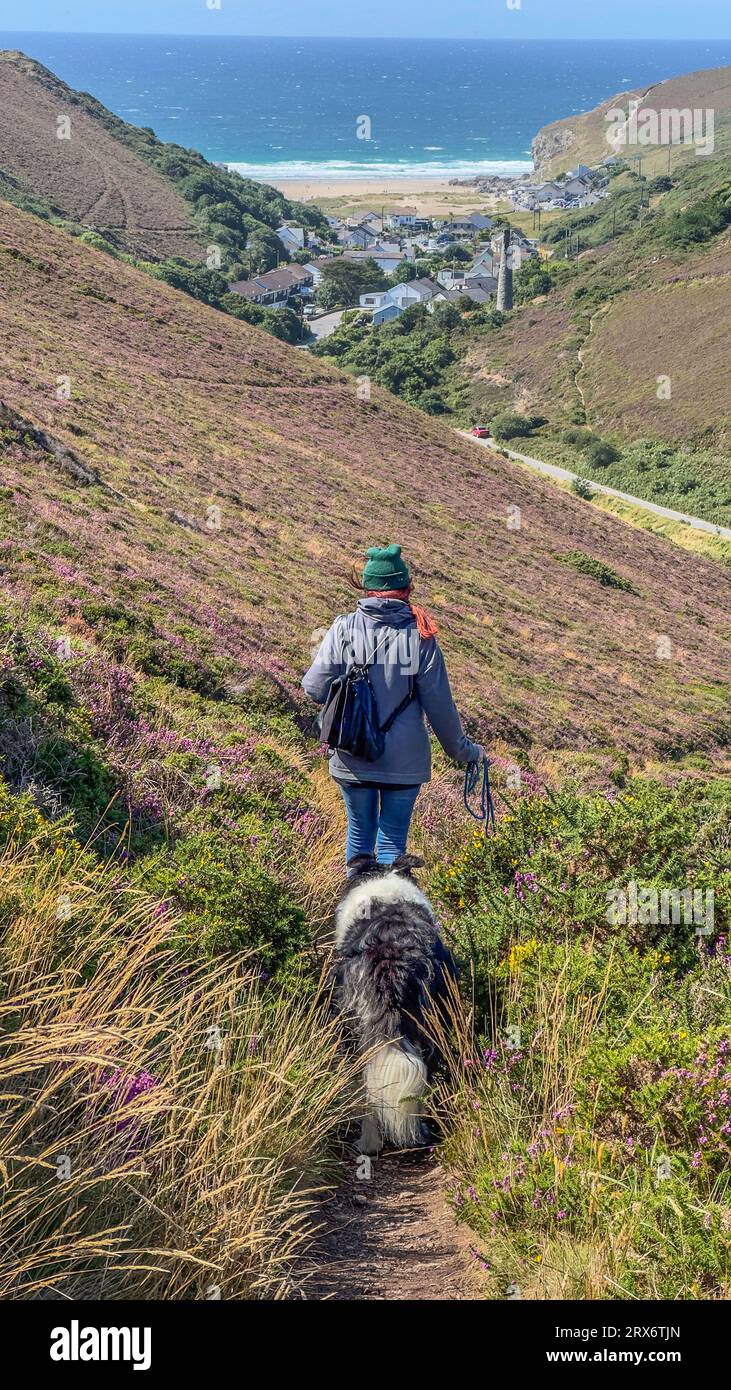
(521, 952)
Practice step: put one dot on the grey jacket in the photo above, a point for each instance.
(386, 629)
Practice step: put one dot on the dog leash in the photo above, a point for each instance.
(486, 813)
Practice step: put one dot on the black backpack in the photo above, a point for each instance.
(350, 722)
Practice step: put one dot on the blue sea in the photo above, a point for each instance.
(289, 108)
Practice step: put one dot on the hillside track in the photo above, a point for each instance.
(391, 1237)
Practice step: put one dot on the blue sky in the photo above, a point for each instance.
(585, 19)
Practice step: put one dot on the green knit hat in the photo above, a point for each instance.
(385, 569)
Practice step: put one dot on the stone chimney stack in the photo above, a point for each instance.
(505, 274)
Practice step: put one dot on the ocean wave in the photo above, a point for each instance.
(330, 170)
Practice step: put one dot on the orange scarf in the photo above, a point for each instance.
(425, 624)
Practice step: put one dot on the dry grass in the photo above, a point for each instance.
(487, 1124)
(164, 1130)
(323, 869)
(558, 1049)
(622, 362)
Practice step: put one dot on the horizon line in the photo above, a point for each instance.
(363, 38)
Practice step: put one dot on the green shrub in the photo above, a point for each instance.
(587, 1107)
(99, 243)
(580, 438)
(228, 901)
(509, 425)
(600, 453)
(703, 220)
(555, 865)
(596, 569)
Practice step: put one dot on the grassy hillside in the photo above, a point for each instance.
(629, 344)
(65, 157)
(581, 139)
(180, 410)
(181, 500)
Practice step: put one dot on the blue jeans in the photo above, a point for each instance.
(378, 818)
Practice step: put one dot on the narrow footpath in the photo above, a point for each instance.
(392, 1236)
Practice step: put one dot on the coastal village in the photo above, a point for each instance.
(464, 248)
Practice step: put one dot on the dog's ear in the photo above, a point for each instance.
(361, 864)
(405, 863)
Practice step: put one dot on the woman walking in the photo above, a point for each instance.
(396, 640)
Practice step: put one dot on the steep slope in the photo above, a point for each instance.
(64, 155)
(628, 338)
(239, 479)
(600, 341)
(86, 175)
(582, 139)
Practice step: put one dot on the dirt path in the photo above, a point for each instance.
(392, 1236)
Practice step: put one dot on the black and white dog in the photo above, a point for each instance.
(390, 967)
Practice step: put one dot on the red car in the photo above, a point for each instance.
(481, 431)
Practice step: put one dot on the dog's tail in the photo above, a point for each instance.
(395, 1080)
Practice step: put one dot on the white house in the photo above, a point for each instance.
(275, 287)
(374, 300)
(403, 295)
(359, 237)
(468, 226)
(548, 193)
(485, 264)
(577, 186)
(402, 217)
(423, 290)
(448, 277)
(315, 272)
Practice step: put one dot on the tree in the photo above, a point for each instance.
(344, 281)
(404, 272)
(532, 279)
(509, 425)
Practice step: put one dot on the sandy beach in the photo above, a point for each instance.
(432, 197)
